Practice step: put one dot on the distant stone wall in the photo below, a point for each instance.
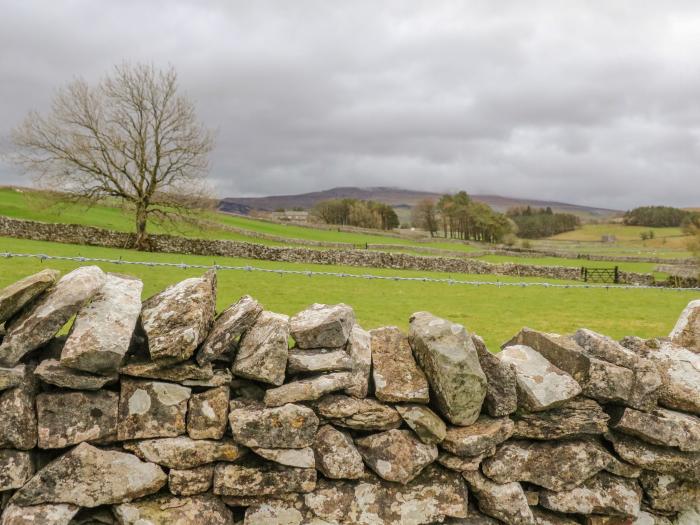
(165, 413)
(517, 252)
(76, 234)
(278, 238)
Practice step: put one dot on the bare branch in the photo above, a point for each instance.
(130, 137)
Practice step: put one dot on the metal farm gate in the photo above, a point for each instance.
(600, 275)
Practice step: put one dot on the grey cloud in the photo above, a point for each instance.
(583, 102)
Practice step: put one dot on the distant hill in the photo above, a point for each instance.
(396, 197)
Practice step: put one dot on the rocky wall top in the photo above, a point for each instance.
(164, 412)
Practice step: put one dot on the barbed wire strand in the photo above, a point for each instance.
(311, 273)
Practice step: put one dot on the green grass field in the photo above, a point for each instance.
(496, 313)
(31, 205)
(667, 242)
(640, 267)
(28, 204)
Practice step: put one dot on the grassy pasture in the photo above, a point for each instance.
(494, 312)
(28, 204)
(640, 267)
(667, 242)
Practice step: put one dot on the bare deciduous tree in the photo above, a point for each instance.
(131, 137)
(424, 216)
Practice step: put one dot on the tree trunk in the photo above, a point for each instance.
(141, 235)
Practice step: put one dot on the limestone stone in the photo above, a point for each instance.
(501, 390)
(149, 409)
(11, 377)
(290, 457)
(288, 426)
(424, 422)
(52, 372)
(207, 413)
(480, 436)
(555, 465)
(359, 348)
(358, 414)
(260, 480)
(177, 373)
(600, 380)
(601, 494)
(69, 418)
(396, 455)
(606, 371)
(171, 510)
(318, 360)
(647, 380)
(17, 414)
(277, 511)
(396, 376)
(45, 317)
(688, 517)
(336, 454)
(505, 502)
(445, 351)
(262, 354)
(322, 326)
(58, 514)
(605, 348)
(307, 389)
(101, 333)
(541, 385)
(686, 332)
(668, 493)
(648, 518)
(434, 495)
(88, 477)
(17, 295)
(475, 517)
(228, 327)
(189, 482)
(184, 453)
(178, 319)
(609, 383)
(220, 378)
(563, 352)
(666, 460)
(545, 517)
(532, 496)
(661, 427)
(680, 376)
(622, 468)
(16, 468)
(460, 464)
(575, 418)
(291, 498)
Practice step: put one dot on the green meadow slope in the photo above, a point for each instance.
(494, 312)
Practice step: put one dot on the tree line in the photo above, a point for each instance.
(459, 217)
(535, 223)
(355, 212)
(658, 216)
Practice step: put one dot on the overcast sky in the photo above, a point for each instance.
(591, 102)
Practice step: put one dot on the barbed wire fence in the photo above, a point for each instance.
(312, 273)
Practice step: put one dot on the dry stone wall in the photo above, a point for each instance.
(162, 412)
(77, 234)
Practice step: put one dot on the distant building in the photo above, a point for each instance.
(292, 216)
(608, 238)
